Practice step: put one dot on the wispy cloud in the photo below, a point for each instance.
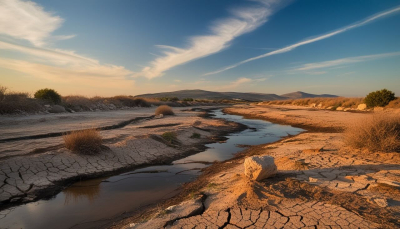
(28, 21)
(237, 83)
(222, 33)
(94, 75)
(343, 61)
(311, 40)
(56, 65)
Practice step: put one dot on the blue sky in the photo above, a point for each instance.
(111, 47)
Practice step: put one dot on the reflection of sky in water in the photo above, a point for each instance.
(107, 197)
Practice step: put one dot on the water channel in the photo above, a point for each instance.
(90, 203)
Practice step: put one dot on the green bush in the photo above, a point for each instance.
(195, 135)
(379, 98)
(171, 99)
(188, 99)
(49, 95)
(174, 99)
(170, 137)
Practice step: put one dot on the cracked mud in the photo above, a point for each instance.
(321, 182)
(25, 177)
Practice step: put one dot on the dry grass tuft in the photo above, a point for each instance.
(164, 110)
(84, 141)
(394, 103)
(380, 132)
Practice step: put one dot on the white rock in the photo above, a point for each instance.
(362, 107)
(259, 167)
(159, 116)
(381, 202)
(340, 108)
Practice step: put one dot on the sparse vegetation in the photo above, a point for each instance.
(2, 92)
(380, 132)
(164, 110)
(211, 185)
(188, 99)
(17, 102)
(48, 95)
(171, 99)
(195, 135)
(86, 142)
(331, 103)
(379, 98)
(170, 137)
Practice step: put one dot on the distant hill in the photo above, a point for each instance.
(302, 95)
(202, 94)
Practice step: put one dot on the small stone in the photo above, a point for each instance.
(312, 179)
(259, 167)
(340, 108)
(381, 202)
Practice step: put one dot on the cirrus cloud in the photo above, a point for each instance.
(222, 33)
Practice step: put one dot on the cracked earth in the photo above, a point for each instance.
(321, 183)
(27, 174)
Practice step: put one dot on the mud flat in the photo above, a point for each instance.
(321, 183)
(40, 167)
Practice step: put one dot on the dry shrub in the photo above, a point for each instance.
(164, 110)
(379, 132)
(130, 101)
(325, 102)
(75, 101)
(2, 92)
(394, 103)
(83, 141)
(17, 102)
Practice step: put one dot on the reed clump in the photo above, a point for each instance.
(86, 142)
(379, 132)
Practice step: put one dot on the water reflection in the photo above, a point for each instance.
(88, 190)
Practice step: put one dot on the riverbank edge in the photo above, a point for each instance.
(192, 188)
(52, 190)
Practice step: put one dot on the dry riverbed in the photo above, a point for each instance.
(321, 183)
(34, 163)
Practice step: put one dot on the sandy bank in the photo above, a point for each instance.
(321, 182)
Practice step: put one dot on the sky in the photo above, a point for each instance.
(131, 47)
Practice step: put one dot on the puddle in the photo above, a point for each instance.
(92, 203)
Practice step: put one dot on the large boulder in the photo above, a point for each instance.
(57, 109)
(259, 167)
(362, 107)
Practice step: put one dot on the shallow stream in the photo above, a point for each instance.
(92, 203)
